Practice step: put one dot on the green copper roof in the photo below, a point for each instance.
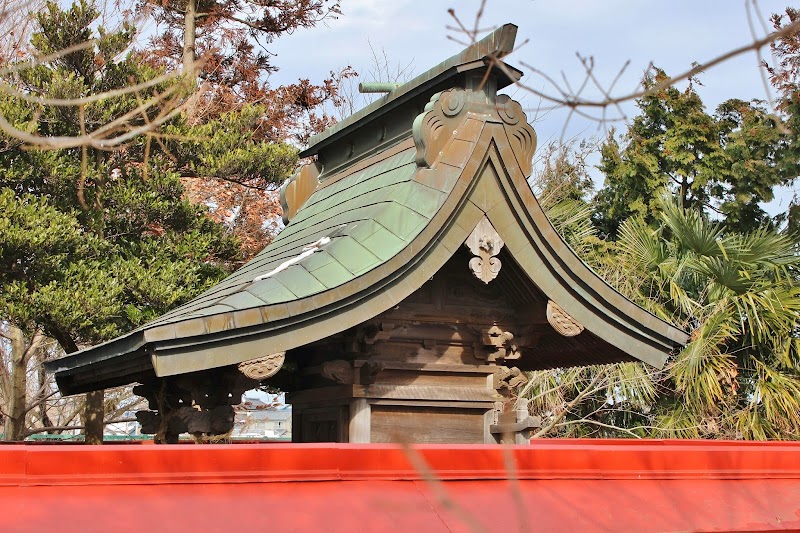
(344, 230)
(395, 196)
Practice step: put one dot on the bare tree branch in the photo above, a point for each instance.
(601, 424)
(574, 100)
(35, 431)
(590, 389)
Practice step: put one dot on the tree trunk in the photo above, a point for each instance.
(189, 36)
(684, 193)
(15, 422)
(43, 415)
(93, 414)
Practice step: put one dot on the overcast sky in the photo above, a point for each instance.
(672, 34)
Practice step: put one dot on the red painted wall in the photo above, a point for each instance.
(552, 485)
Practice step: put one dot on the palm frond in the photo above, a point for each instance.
(631, 383)
(777, 394)
(703, 373)
(691, 228)
(572, 220)
(640, 246)
(751, 424)
(678, 422)
(772, 311)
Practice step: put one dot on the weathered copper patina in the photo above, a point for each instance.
(416, 278)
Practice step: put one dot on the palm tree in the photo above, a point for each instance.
(739, 377)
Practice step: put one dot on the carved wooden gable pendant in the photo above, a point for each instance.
(485, 244)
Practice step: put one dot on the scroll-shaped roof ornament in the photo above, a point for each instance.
(298, 188)
(520, 134)
(434, 127)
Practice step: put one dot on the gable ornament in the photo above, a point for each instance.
(263, 367)
(521, 135)
(561, 321)
(484, 243)
(435, 126)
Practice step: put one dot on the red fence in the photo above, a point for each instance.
(556, 485)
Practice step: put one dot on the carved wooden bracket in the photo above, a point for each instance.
(338, 370)
(370, 371)
(366, 335)
(507, 379)
(263, 367)
(297, 189)
(520, 133)
(484, 243)
(434, 127)
(376, 332)
(496, 344)
(561, 321)
(216, 421)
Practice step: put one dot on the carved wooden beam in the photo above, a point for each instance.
(338, 370)
(370, 370)
(496, 344)
(507, 379)
(372, 333)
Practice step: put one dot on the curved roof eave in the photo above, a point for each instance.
(566, 279)
(206, 326)
(476, 174)
(537, 247)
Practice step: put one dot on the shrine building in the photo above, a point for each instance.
(415, 282)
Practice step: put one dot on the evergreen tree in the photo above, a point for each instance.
(732, 283)
(93, 242)
(728, 163)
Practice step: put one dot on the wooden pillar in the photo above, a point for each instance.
(360, 414)
(523, 436)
